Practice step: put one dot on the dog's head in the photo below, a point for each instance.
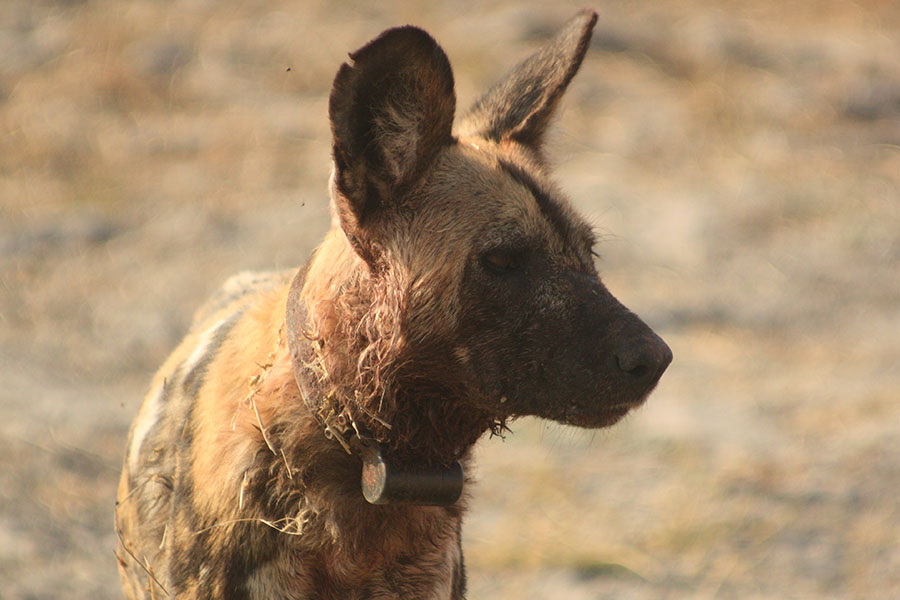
(500, 292)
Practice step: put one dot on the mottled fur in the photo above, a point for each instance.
(455, 290)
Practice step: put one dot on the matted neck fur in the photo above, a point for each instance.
(455, 290)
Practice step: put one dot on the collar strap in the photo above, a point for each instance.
(384, 479)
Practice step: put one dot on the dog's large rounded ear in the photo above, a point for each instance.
(391, 111)
(520, 107)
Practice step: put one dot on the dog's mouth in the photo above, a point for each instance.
(594, 417)
(579, 413)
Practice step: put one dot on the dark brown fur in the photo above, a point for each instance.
(455, 290)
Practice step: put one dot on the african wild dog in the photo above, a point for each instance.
(455, 290)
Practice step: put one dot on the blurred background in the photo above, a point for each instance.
(741, 161)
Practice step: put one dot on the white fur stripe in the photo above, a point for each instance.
(152, 409)
(148, 416)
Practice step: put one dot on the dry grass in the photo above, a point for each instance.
(742, 161)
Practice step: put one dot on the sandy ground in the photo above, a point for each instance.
(741, 161)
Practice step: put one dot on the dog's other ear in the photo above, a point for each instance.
(391, 111)
(520, 107)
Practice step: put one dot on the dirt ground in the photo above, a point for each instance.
(741, 161)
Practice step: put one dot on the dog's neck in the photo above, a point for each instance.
(358, 373)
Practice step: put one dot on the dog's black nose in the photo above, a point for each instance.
(644, 358)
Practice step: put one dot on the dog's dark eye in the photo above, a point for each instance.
(502, 261)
